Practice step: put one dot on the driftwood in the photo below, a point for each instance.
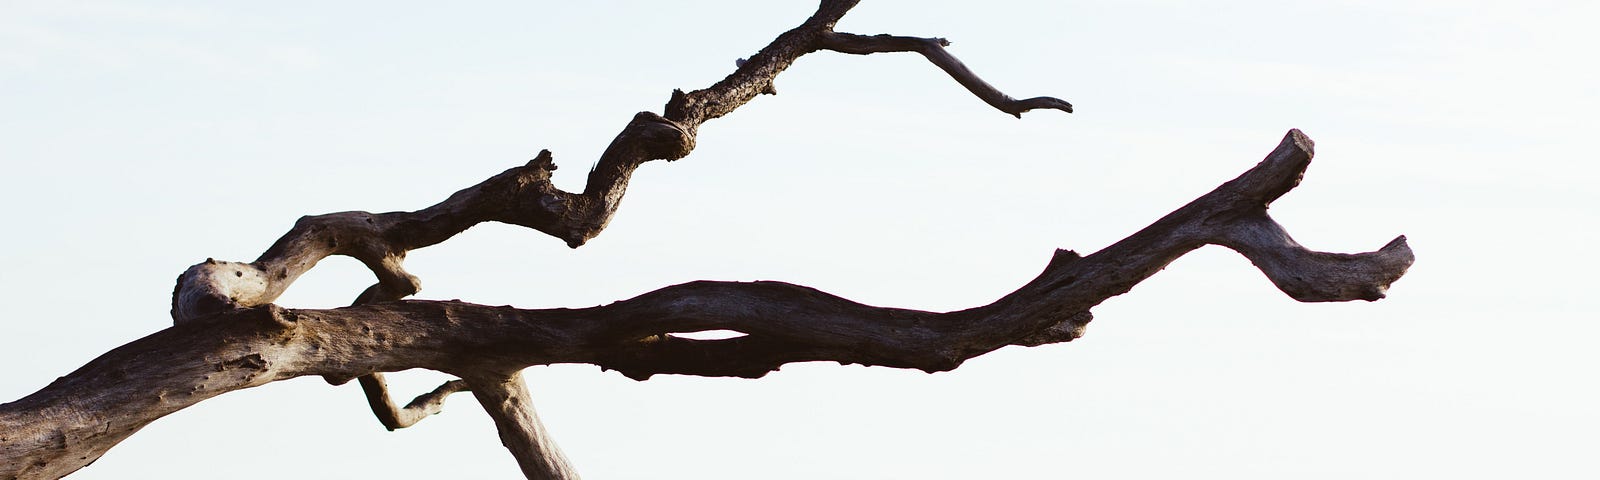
(228, 336)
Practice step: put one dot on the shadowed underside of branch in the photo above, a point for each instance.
(228, 336)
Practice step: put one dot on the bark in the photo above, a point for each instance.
(505, 397)
(77, 418)
(227, 335)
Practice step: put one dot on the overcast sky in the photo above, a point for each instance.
(139, 138)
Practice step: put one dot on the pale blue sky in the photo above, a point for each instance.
(139, 138)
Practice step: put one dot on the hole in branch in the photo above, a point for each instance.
(708, 335)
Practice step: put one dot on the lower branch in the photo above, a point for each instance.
(394, 417)
(75, 419)
(506, 399)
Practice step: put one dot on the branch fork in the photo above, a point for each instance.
(228, 335)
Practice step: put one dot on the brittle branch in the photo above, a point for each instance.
(783, 323)
(933, 49)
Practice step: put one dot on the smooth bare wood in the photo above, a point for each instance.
(525, 196)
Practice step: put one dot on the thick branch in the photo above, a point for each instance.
(74, 420)
(519, 196)
(376, 387)
(525, 196)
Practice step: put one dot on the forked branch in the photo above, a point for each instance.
(59, 428)
(228, 335)
(525, 196)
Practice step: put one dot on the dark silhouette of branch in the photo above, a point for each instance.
(525, 196)
(77, 418)
(227, 335)
(933, 49)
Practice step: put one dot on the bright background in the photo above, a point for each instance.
(139, 138)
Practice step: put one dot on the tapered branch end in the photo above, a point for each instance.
(1036, 103)
(1310, 276)
(1303, 274)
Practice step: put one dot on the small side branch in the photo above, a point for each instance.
(933, 49)
(395, 417)
(1311, 276)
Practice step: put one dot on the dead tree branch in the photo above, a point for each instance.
(77, 418)
(933, 49)
(228, 336)
(525, 196)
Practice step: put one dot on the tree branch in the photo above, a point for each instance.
(506, 399)
(933, 49)
(525, 195)
(76, 419)
(395, 417)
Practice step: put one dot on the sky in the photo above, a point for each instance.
(141, 137)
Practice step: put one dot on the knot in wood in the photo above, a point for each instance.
(216, 286)
(659, 137)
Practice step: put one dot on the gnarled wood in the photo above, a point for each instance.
(525, 196)
(227, 336)
(77, 418)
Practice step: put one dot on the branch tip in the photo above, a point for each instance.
(543, 161)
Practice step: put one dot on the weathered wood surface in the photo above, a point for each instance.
(74, 420)
(228, 336)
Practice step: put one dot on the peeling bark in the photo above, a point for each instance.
(227, 335)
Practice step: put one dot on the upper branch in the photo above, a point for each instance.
(525, 196)
(933, 49)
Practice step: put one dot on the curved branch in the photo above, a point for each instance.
(755, 74)
(74, 420)
(395, 417)
(933, 49)
(525, 196)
